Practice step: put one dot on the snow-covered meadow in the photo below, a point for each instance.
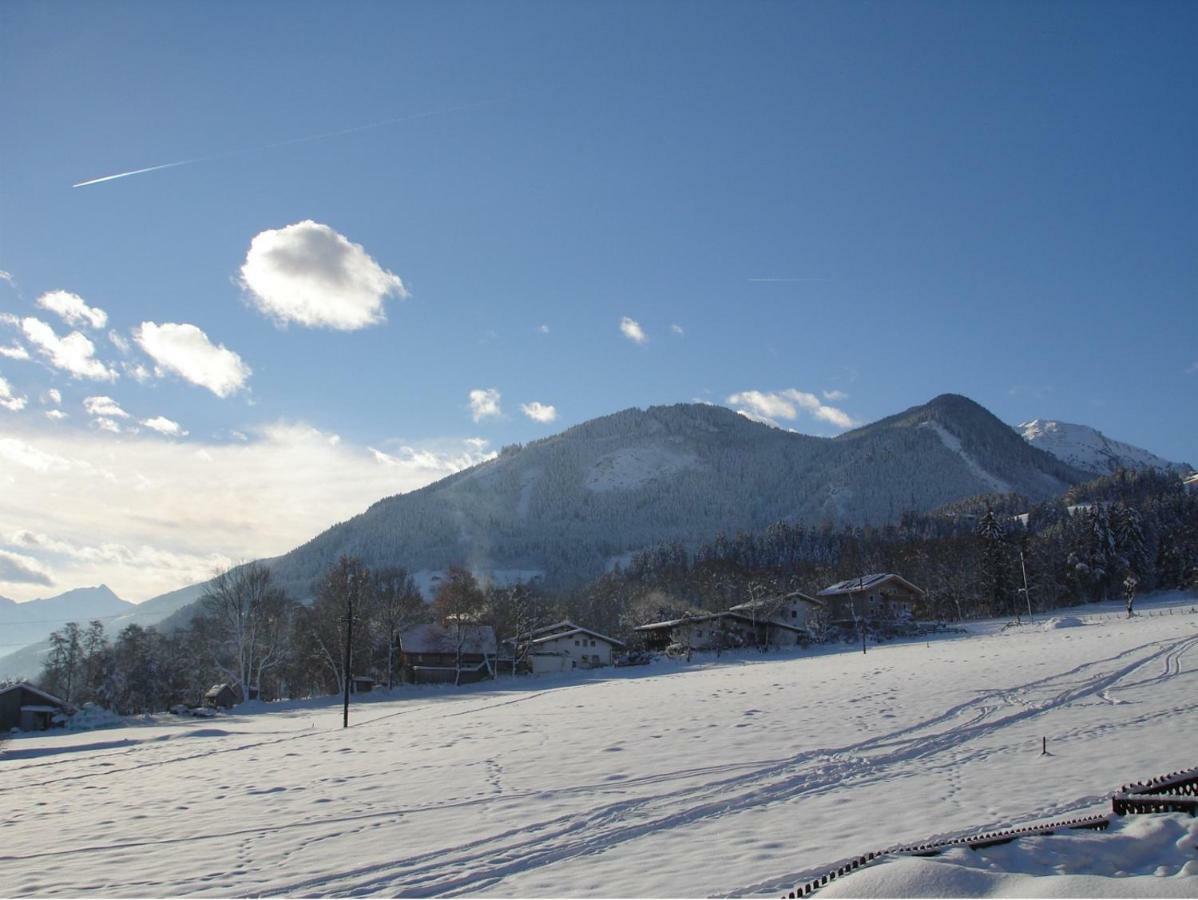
(719, 777)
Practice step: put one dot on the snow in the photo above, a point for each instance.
(1062, 622)
(953, 443)
(1139, 856)
(738, 776)
(1088, 449)
(630, 467)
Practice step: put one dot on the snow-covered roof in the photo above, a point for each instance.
(26, 686)
(865, 583)
(564, 634)
(731, 614)
(438, 639)
(767, 602)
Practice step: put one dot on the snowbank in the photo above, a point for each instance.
(1140, 856)
(1062, 622)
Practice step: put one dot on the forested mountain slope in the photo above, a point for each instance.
(570, 504)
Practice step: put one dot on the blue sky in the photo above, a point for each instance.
(868, 203)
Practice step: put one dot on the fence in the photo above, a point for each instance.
(1176, 792)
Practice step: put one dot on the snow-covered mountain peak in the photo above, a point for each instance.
(1089, 449)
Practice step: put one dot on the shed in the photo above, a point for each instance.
(29, 708)
(222, 696)
(361, 684)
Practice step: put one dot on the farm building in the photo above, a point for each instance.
(564, 646)
(795, 609)
(30, 709)
(222, 696)
(430, 653)
(881, 599)
(712, 631)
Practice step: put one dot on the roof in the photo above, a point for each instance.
(670, 623)
(216, 689)
(438, 639)
(770, 601)
(690, 620)
(564, 634)
(865, 583)
(26, 686)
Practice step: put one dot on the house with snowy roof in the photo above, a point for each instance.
(781, 621)
(563, 646)
(882, 598)
(454, 653)
(29, 708)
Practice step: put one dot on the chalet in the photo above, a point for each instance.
(747, 625)
(430, 653)
(795, 609)
(881, 599)
(222, 696)
(30, 709)
(564, 646)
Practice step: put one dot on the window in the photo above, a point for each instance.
(592, 643)
(576, 644)
(794, 613)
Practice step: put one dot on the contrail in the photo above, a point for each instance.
(299, 140)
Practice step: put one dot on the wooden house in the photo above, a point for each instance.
(29, 708)
(430, 653)
(723, 630)
(564, 646)
(880, 600)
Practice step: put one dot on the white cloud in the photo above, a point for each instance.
(632, 330)
(53, 395)
(166, 426)
(104, 406)
(15, 351)
(55, 415)
(835, 395)
(73, 309)
(74, 353)
(186, 351)
(786, 404)
(10, 399)
(444, 460)
(678, 329)
(7, 277)
(119, 341)
(543, 329)
(16, 568)
(178, 510)
(309, 274)
(484, 403)
(539, 412)
(106, 424)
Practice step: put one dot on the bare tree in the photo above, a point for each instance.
(249, 617)
(516, 611)
(397, 605)
(459, 603)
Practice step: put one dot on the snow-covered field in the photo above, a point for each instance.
(738, 776)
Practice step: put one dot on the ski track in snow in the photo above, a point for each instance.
(508, 814)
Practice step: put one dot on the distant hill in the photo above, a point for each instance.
(24, 652)
(22, 623)
(1092, 451)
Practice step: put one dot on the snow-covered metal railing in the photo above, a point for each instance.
(1175, 792)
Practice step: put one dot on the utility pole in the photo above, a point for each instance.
(1027, 595)
(349, 636)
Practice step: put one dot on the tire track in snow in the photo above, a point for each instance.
(488, 860)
